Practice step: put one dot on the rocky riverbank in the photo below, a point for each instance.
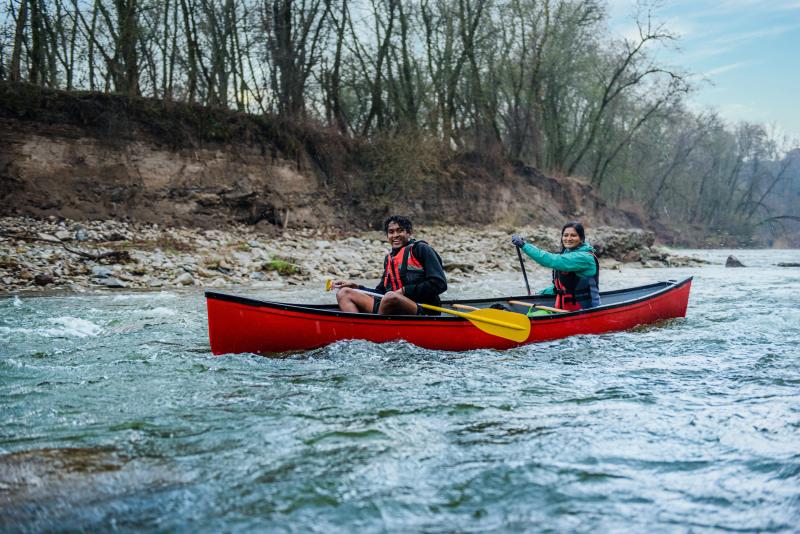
(59, 254)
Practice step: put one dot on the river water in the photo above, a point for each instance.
(115, 416)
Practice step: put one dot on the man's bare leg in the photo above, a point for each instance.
(351, 300)
(395, 303)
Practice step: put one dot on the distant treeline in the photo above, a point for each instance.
(536, 81)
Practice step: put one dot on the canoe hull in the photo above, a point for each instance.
(239, 325)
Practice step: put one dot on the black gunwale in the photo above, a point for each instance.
(330, 310)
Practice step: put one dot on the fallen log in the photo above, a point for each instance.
(112, 256)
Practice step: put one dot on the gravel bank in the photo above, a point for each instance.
(58, 254)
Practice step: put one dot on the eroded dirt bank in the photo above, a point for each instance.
(85, 156)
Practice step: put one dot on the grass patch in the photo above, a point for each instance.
(282, 266)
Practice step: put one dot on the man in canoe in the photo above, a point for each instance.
(576, 271)
(412, 273)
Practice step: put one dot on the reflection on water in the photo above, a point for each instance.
(116, 416)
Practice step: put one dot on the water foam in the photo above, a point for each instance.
(162, 311)
(71, 327)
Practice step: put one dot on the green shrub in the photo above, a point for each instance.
(282, 267)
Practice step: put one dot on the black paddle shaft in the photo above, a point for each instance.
(524, 274)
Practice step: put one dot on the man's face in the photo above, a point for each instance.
(397, 236)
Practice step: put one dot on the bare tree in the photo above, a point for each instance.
(294, 36)
(625, 72)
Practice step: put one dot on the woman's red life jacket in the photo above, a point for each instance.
(575, 292)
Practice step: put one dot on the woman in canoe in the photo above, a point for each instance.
(576, 271)
(412, 273)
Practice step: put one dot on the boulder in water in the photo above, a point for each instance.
(732, 261)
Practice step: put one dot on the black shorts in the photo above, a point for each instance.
(376, 303)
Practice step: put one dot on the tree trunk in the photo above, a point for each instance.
(191, 52)
(19, 33)
(127, 41)
(36, 71)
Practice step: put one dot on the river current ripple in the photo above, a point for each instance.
(115, 416)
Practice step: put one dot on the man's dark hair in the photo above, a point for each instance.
(402, 222)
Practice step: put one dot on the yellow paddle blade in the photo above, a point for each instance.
(328, 284)
(508, 325)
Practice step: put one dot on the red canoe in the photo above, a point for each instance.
(238, 324)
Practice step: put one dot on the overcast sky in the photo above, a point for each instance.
(748, 50)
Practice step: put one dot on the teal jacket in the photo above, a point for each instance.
(578, 260)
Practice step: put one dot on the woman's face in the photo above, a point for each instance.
(570, 238)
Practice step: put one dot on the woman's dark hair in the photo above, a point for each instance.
(402, 222)
(578, 228)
